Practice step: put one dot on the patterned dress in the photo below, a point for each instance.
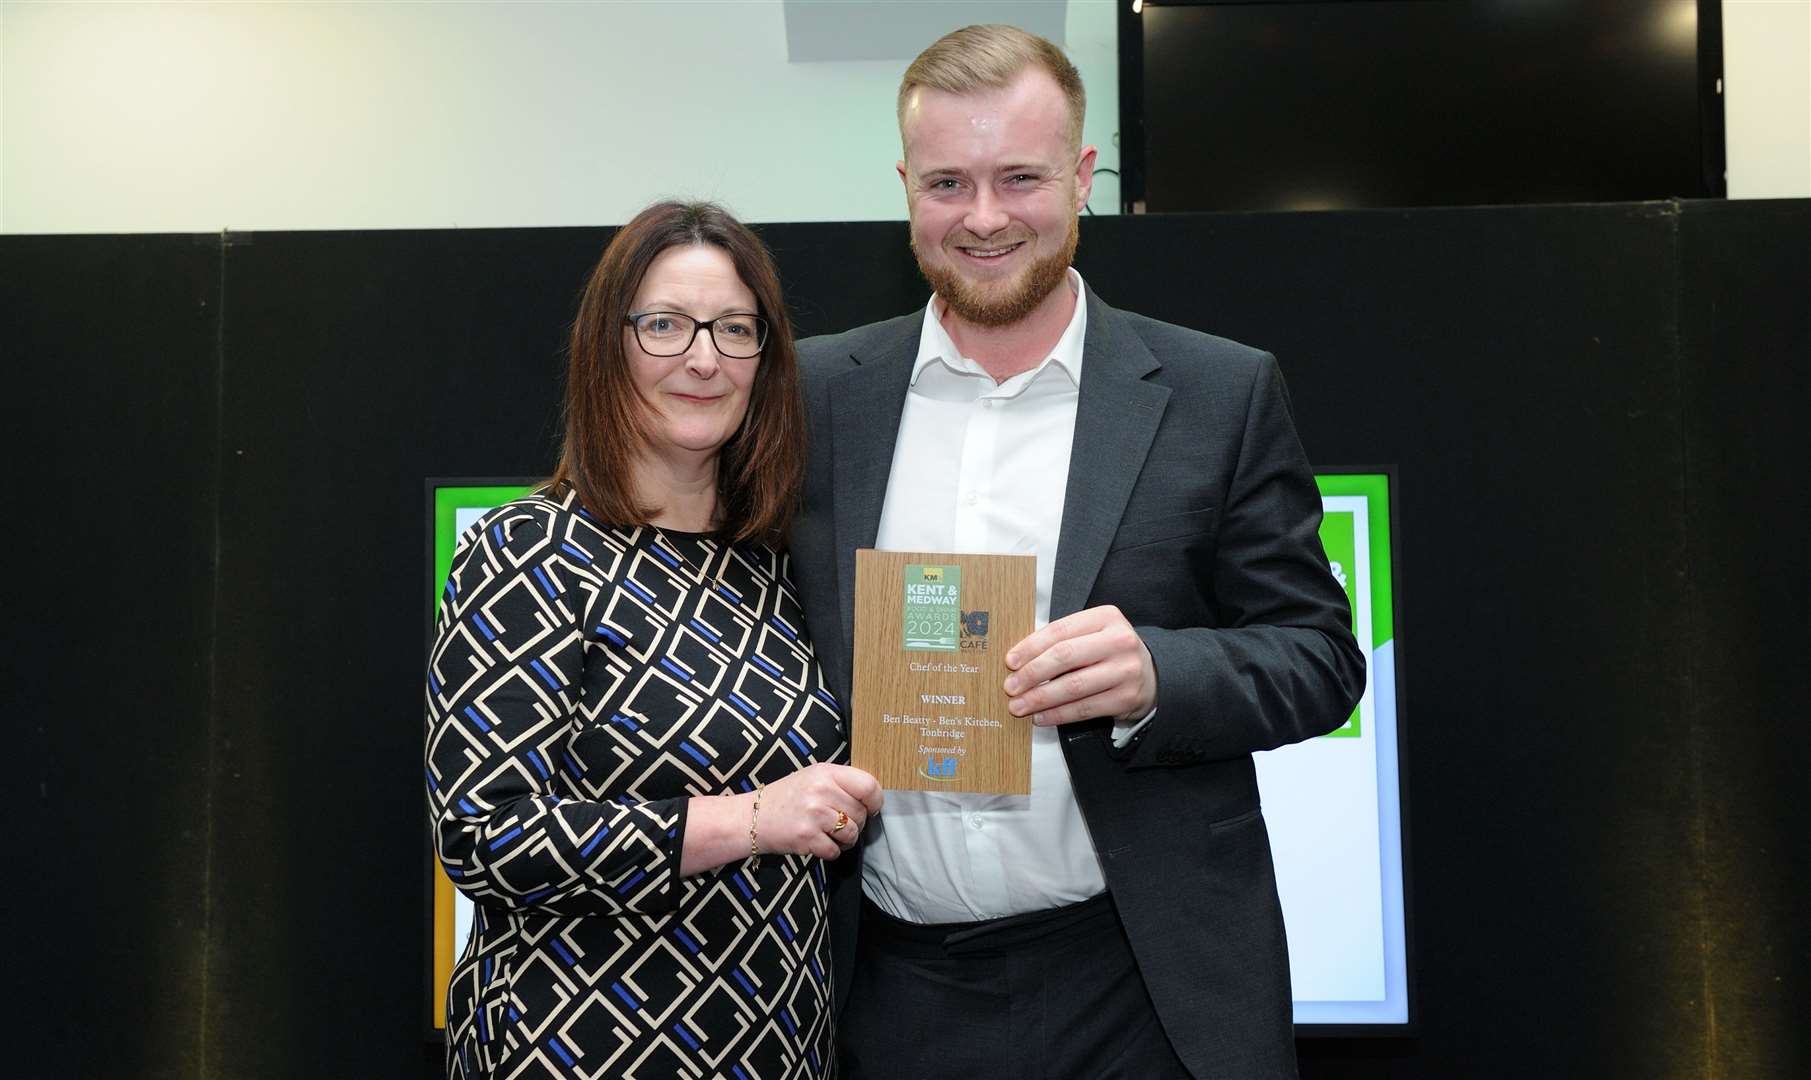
(585, 682)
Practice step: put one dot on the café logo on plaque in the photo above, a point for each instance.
(974, 630)
(933, 607)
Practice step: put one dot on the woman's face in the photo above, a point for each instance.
(699, 397)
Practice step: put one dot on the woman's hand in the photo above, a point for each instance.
(798, 815)
(818, 810)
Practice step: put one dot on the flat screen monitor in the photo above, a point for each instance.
(1333, 804)
(1399, 103)
(454, 505)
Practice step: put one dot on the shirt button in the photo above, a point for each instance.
(973, 498)
(987, 403)
(974, 822)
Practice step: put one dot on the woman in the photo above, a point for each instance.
(624, 712)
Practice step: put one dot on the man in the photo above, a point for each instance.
(1122, 920)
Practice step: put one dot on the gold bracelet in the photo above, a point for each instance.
(754, 820)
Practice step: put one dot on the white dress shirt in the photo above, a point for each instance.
(937, 857)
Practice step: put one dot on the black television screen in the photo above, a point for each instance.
(1369, 103)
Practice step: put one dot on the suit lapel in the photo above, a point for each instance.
(865, 406)
(1115, 421)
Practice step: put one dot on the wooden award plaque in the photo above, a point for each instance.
(931, 634)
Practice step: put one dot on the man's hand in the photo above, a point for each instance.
(1089, 664)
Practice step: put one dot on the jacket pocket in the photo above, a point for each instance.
(1157, 530)
(1246, 818)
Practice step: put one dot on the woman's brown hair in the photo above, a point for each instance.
(762, 466)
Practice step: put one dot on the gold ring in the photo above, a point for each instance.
(842, 819)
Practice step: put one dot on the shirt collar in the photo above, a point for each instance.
(936, 346)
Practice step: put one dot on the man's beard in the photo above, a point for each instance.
(986, 307)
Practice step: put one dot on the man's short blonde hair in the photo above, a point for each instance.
(990, 57)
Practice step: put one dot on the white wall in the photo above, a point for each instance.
(169, 117)
(1767, 97)
(2, 116)
(198, 117)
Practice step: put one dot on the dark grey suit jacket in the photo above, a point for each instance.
(1190, 506)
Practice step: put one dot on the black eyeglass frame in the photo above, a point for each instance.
(633, 321)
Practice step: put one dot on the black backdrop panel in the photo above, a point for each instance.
(1748, 266)
(359, 364)
(108, 354)
(1602, 604)
(1518, 366)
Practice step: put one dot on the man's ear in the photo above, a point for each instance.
(1084, 177)
(900, 165)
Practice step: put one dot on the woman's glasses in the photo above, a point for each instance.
(670, 333)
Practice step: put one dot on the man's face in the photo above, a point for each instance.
(994, 187)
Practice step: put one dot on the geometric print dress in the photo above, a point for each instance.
(586, 681)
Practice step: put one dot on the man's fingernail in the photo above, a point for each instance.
(1012, 659)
